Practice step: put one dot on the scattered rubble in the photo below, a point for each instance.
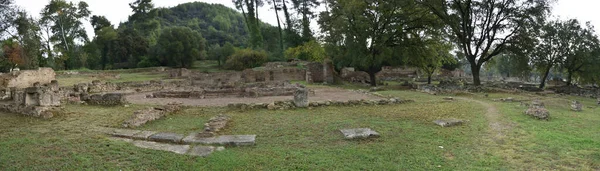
(538, 112)
(141, 117)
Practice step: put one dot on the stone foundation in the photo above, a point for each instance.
(109, 99)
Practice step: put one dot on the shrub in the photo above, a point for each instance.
(245, 58)
(309, 51)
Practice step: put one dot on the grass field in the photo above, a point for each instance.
(308, 139)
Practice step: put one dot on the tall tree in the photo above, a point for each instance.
(29, 38)
(483, 29)
(367, 34)
(65, 23)
(7, 15)
(252, 22)
(276, 7)
(180, 47)
(582, 51)
(431, 57)
(551, 44)
(105, 38)
(305, 9)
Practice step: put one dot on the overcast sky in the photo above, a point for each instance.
(118, 10)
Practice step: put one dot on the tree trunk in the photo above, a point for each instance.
(429, 79)
(279, 26)
(372, 78)
(569, 78)
(543, 81)
(475, 70)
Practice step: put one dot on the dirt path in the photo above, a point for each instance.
(492, 115)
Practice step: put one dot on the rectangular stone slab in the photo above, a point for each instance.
(179, 149)
(237, 140)
(358, 133)
(201, 151)
(166, 137)
(448, 123)
(143, 135)
(125, 133)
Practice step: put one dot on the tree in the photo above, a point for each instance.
(252, 21)
(304, 8)
(220, 54)
(64, 19)
(551, 44)
(29, 38)
(431, 57)
(483, 29)
(584, 48)
(7, 14)
(368, 34)
(277, 8)
(246, 58)
(13, 55)
(310, 51)
(180, 47)
(100, 22)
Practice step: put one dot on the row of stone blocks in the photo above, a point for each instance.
(193, 138)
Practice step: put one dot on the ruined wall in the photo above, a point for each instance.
(259, 89)
(395, 73)
(349, 74)
(145, 86)
(26, 78)
(109, 99)
(315, 73)
(328, 72)
(235, 79)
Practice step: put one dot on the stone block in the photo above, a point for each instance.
(166, 137)
(179, 149)
(359, 133)
(201, 151)
(125, 133)
(143, 135)
(448, 122)
(301, 97)
(235, 140)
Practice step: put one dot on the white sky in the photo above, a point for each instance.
(118, 10)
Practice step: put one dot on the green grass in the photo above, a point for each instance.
(308, 139)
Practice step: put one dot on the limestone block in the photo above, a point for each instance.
(359, 133)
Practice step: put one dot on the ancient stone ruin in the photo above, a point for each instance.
(31, 92)
(576, 106)
(359, 133)
(448, 122)
(538, 112)
(141, 117)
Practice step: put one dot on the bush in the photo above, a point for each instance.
(309, 51)
(246, 58)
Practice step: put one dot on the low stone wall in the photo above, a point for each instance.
(110, 99)
(26, 78)
(247, 90)
(145, 86)
(578, 91)
(141, 117)
(285, 105)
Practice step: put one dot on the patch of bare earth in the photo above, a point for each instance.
(320, 94)
(501, 139)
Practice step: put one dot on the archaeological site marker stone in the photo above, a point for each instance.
(359, 133)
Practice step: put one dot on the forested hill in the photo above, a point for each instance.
(217, 23)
